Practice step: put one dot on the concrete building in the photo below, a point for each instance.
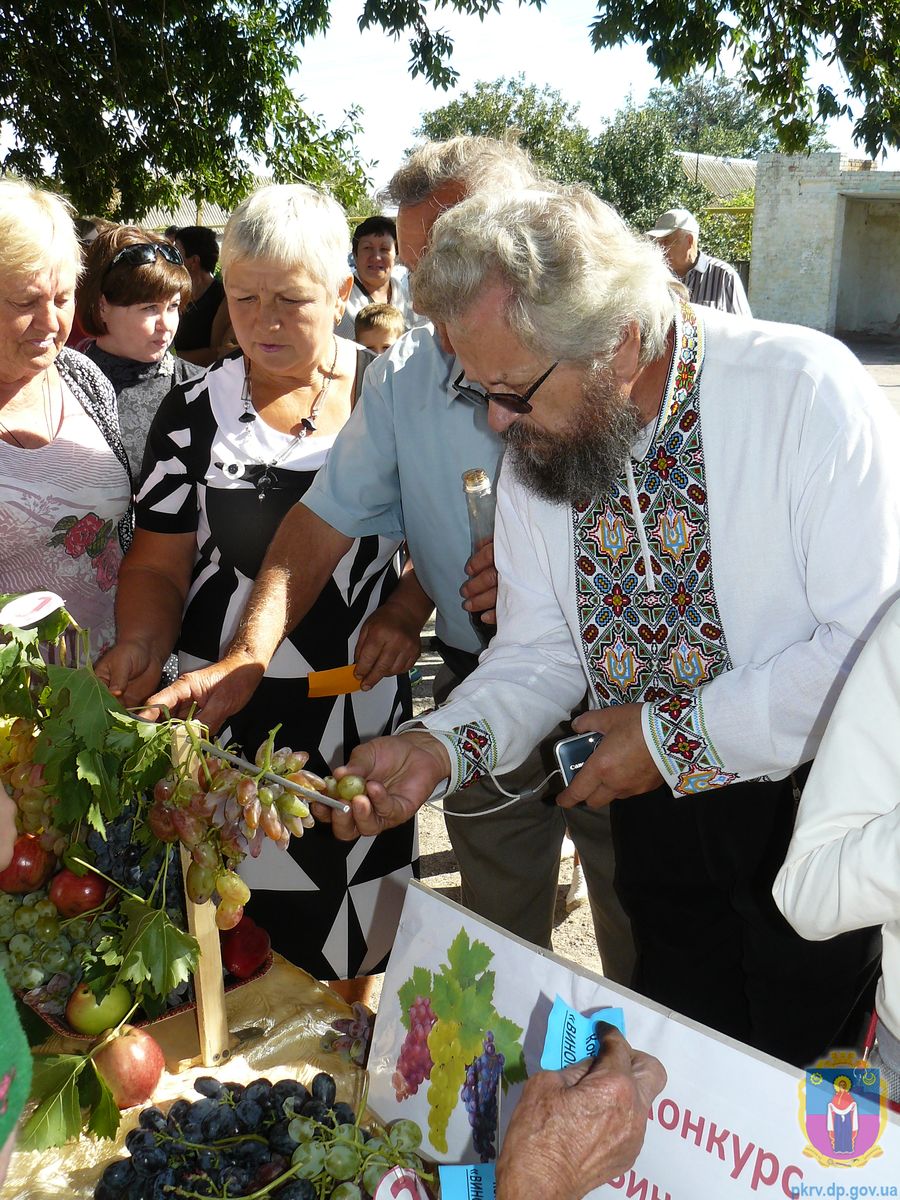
(826, 244)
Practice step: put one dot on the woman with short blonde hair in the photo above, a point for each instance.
(65, 486)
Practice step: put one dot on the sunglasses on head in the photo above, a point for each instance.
(143, 253)
(507, 400)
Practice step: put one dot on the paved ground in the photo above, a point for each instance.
(882, 358)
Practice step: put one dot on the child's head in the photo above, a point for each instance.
(378, 326)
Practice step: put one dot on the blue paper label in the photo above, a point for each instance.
(571, 1036)
(477, 1182)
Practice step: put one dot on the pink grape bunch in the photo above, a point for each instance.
(479, 1095)
(221, 815)
(414, 1063)
(24, 780)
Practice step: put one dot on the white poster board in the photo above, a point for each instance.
(728, 1125)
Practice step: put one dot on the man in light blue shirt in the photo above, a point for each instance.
(396, 470)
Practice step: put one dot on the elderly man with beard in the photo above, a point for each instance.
(700, 519)
(395, 470)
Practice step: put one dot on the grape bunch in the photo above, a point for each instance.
(351, 1036)
(414, 1063)
(479, 1094)
(263, 1139)
(220, 815)
(447, 1076)
(40, 954)
(24, 780)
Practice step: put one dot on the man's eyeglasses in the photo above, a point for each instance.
(143, 253)
(507, 400)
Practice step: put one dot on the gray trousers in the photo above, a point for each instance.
(509, 862)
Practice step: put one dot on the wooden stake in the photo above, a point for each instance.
(209, 982)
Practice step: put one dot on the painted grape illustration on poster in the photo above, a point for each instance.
(458, 1044)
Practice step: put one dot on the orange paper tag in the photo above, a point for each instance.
(332, 683)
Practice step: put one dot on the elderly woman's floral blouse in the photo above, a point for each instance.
(60, 508)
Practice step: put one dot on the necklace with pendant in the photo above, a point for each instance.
(307, 426)
(48, 414)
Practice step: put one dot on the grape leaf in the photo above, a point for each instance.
(96, 1096)
(85, 703)
(468, 961)
(475, 1010)
(58, 1115)
(20, 663)
(418, 984)
(508, 1040)
(144, 746)
(92, 768)
(154, 950)
(446, 996)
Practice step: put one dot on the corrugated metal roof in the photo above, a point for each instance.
(724, 177)
(185, 213)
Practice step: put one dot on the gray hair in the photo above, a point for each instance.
(478, 163)
(36, 230)
(293, 225)
(577, 275)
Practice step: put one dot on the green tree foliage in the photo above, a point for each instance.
(718, 115)
(642, 176)
(124, 104)
(127, 103)
(537, 118)
(776, 42)
(726, 230)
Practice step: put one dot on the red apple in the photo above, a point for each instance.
(131, 1065)
(245, 948)
(88, 1015)
(30, 868)
(76, 894)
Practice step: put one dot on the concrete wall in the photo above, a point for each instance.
(807, 208)
(869, 282)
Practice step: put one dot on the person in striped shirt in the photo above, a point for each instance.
(708, 280)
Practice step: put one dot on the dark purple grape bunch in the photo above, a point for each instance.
(479, 1094)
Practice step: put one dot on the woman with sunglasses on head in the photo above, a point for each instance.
(134, 288)
(227, 456)
(65, 485)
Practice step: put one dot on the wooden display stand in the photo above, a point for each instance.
(209, 982)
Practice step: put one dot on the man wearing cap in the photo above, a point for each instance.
(708, 280)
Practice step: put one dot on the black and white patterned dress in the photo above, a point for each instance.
(331, 907)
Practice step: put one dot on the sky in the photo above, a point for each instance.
(550, 47)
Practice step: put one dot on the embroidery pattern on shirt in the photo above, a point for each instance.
(476, 747)
(658, 646)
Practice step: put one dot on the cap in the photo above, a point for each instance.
(672, 221)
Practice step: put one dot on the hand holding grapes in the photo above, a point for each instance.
(400, 773)
(576, 1129)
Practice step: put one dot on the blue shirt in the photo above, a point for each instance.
(396, 470)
